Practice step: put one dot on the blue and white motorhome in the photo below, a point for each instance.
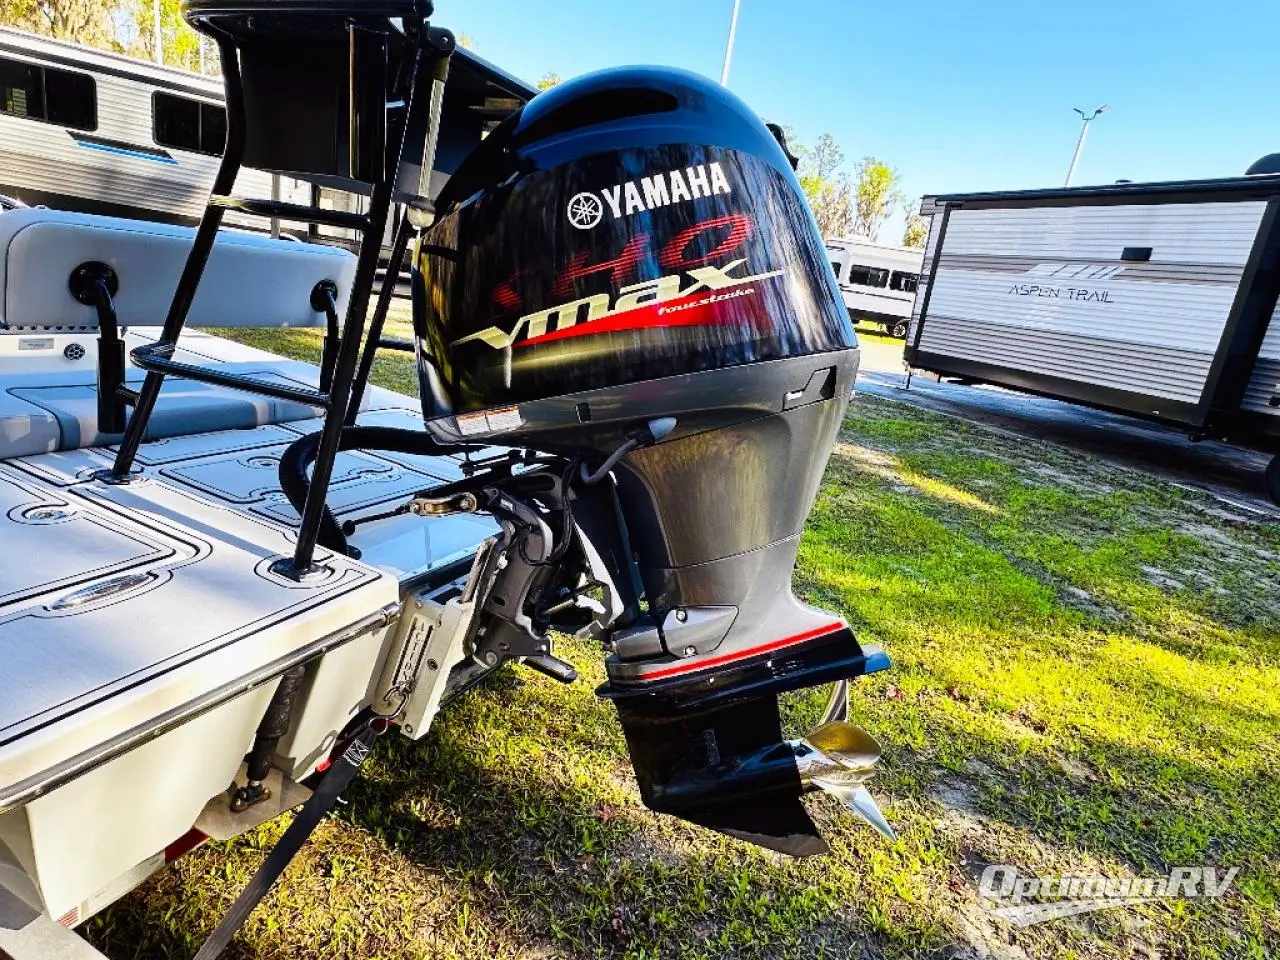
(91, 131)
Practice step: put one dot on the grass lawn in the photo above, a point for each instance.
(876, 334)
(1085, 681)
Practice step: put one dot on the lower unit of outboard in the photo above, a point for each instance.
(715, 518)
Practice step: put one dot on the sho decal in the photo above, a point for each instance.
(587, 209)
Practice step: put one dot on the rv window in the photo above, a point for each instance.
(906, 282)
(71, 99)
(43, 93)
(186, 124)
(837, 266)
(868, 276)
(213, 129)
(22, 89)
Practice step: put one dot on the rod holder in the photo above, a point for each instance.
(96, 284)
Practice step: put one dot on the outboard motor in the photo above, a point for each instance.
(625, 277)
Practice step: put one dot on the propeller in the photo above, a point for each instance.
(838, 758)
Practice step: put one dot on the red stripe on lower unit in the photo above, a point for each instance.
(743, 654)
(69, 918)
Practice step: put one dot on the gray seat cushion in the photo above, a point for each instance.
(250, 280)
(184, 407)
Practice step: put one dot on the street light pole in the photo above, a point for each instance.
(1084, 130)
(728, 49)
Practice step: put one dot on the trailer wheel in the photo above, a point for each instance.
(899, 330)
(1272, 479)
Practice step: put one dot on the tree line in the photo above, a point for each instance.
(121, 26)
(857, 203)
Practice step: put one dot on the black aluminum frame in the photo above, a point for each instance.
(1246, 326)
(913, 350)
(336, 392)
(1160, 191)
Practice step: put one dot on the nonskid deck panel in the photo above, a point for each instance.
(122, 602)
(51, 545)
(121, 605)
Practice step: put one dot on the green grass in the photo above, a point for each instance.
(390, 369)
(876, 334)
(1085, 680)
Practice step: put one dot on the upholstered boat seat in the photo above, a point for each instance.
(251, 280)
(48, 387)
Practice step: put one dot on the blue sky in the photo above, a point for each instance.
(957, 96)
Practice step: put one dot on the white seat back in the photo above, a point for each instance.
(250, 281)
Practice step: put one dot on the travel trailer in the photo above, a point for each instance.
(878, 281)
(1151, 299)
(224, 575)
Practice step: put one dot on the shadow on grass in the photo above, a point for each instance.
(1108, 563)
(583, 866)
(1006, 731)
(1052, 689)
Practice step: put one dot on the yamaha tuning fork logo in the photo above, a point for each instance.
(586, 209)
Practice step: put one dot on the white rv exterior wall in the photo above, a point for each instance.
(1265, 381)
(1043, 290)
(38, 156)
(879, 303)
(41, 156)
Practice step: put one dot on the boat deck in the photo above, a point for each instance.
(126, 606)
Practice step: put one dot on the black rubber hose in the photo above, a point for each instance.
(275, 723)
(302, 453)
